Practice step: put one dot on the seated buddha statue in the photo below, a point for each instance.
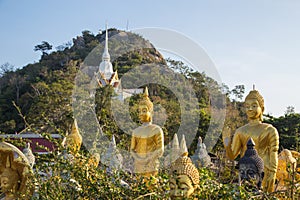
(147, 141)
(184, 177)
(264, 135)
(251, 168)
(287, 163)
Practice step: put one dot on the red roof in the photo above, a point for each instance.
(38, 143)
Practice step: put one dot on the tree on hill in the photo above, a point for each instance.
(6, 68)
(44, 47)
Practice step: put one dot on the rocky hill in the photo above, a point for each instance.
(40, 93)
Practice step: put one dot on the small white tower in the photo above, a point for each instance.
(107, 75)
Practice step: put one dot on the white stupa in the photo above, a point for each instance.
(107, 74)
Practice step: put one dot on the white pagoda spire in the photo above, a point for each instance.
(106, 55)
(105, 66)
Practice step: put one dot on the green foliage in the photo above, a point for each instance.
(238, 91)
(63, 178)
(6, 68)
(288, 127)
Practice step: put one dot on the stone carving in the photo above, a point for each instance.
(112, 158)
(201, 157)
(28, 153)
(174, 152)
(251, 167)
(184, 178)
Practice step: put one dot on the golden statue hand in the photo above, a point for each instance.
(271, 176)
(269, 181)
(226, 142)
(226, 136)
(140, 158)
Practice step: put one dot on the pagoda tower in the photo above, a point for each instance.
(107, 75)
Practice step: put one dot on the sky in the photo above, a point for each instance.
(250, 42)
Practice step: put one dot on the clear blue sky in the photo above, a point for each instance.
(251, 42)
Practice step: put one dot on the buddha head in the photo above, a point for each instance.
(73, 141)
(184, 178)
(145, 108)
(9, 181)
(287, 156)
(251, 166)
(254, 104)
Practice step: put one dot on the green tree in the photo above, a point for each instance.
(44, 47)
(238, 92)
(289, 110)
(6, 68)
(288, 127)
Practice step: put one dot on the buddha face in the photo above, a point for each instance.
(9, 183)
(144, 113)
(181, 186)
(250, 173)
(5, 184)
(253, 109)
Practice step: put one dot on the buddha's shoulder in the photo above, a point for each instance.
(264, 126)
(155, 127)
(145, 129)
(242, 129)
(269, 127)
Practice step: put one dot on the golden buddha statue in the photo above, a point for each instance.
(184, 177)
(73, 141)
(147, 142)
(265, 136)
(286, 158)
